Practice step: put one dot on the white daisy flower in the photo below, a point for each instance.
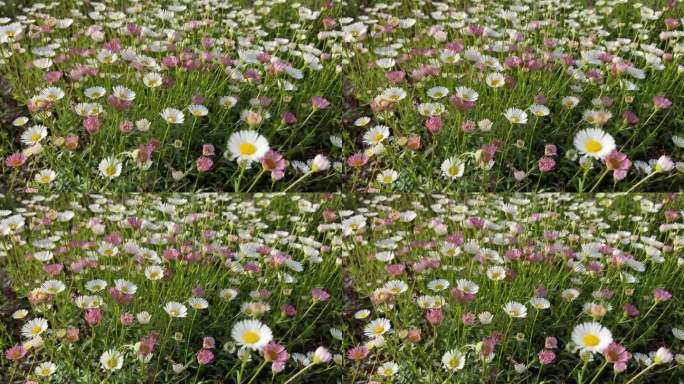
(251, 334)
(594, 142)
(247, 146)
(591, 337)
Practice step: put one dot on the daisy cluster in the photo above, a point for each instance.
(520, 288)
(314, 288)
(315, 95)
(171, 289)
(145, 96)
(518, 95)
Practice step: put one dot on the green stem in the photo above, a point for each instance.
(242, 368)
(640, 373)
(581, 182)
(297, 181)
(580, 377)
(261, 366)
(605, 172)
(642, 181)
(596, 376)
(256, 179)
(298, 373)
(236, 185)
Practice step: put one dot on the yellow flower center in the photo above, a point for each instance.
(593, 146)
(110, 170)
(111, 363)
(35, 137)
(590, 340)
(378, 329)
(453, 363)
(377, 137)
(247, 149)
(251, 337)
(36, 330)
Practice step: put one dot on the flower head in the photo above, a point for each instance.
(358, 353)
(173, 116)
(452, 168)
(661, 102)
(34, 327)
(176, 309)
(591, 337)
(594, 142)
(453, 360)
(516, 116)
(109, 168)
(247, 146)
(617, 355)
(251, 334)
(111, 360)
(515, 309)
(618, 163)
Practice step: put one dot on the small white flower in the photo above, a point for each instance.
(111, 360)
(388, 176)
(173, 116)
(453, 360)
(452, 168)
(176, 309)
(46, 176)
(110, 168)
(516, 116)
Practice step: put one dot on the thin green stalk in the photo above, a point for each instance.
(299, 373)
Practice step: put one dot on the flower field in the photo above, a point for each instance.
(312, 288)
(341, 191)
(343, 96)
(527, 288)
(174, 290)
